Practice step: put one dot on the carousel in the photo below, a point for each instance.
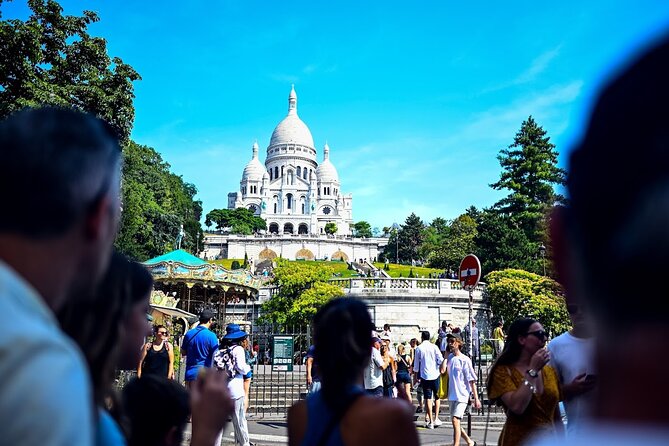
(185, 285)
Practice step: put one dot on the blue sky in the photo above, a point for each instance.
(415, 99)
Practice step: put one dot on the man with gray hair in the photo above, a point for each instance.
(59, 194)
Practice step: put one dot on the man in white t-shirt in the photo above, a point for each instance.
(572, 356)
(374, 372)
(427, 367)
(461, 382)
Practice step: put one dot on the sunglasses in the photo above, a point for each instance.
(540, 334)
(163, 333)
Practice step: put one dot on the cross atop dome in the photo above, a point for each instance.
(292, 101)
(255, 149)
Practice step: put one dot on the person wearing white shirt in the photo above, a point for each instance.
(461, 382)
(572, 357)
(427, 367)
(233, 360)
(373, 377)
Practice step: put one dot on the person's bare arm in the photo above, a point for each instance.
(310, 362)
(477, 402)
(170, 355)
(141, 360)
(580, 385)
(518, 400)
(297, 423)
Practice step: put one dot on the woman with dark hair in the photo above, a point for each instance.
(157, 356)
(108, 327)
(528, 388)
(340, 413)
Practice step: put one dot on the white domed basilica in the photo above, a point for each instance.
(291, 191)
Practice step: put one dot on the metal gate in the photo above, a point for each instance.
(273, 391)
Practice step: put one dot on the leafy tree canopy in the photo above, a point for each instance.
(239, 220)
(50, 59)
(303, 290)
(456, 243)
(362, 229)
(156, 202)
(515, 293)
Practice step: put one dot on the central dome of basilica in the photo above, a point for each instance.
(291, 130)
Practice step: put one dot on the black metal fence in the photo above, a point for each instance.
(273, 388)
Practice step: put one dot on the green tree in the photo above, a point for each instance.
(530, 173)
(458, 242)
(501, 243)
(330, 228)
(434, 235)
(156, 203)
(515, 293)
(50, 59)
(362, 229)
(238, 220)
(303, 289)
(410, 238)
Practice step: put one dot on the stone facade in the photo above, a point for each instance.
(293, 247)
(291, 191)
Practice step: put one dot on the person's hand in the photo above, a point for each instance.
(477, 403)
(309, 380)
(211, 405)
(581, 384)
(540, 359)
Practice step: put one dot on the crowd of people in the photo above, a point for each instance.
(75, 311)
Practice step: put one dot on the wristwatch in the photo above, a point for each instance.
(533, 373)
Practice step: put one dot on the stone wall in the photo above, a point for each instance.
(292, 247)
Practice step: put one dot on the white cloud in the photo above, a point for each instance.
(538, 65)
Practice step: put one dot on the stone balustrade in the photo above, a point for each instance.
(395, 286)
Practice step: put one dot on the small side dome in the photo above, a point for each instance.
(326, 171)
(254, 170)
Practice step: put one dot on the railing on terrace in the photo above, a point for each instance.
(437, 285)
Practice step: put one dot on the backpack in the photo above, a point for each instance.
(225, 360)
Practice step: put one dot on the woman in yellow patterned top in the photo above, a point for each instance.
(528, 389)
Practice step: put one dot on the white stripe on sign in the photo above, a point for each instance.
(468, 272)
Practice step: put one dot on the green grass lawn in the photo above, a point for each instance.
(418, 271)
(341, 268)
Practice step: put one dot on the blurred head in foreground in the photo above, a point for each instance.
(612, 242)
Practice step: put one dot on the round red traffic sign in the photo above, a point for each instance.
(470, 272)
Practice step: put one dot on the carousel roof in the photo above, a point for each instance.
(180, 266)
(178, 256)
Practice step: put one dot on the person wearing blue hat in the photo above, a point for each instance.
(232, 360)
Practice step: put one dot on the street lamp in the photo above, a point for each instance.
(396, 228)
(542, 251)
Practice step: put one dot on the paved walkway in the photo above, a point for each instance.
(274, 432)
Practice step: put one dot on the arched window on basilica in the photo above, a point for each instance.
(276, 172)
(299, 171)
(289, 201)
